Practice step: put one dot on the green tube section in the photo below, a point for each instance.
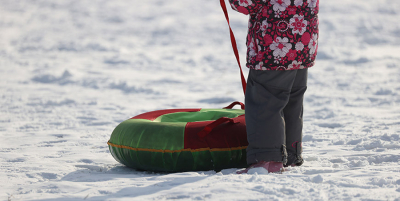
(159, 145)
(183, 161)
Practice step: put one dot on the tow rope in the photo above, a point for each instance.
(234, 46)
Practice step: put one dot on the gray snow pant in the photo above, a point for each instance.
(274, 115)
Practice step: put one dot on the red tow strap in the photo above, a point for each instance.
(234, 46)
(233, 104)
(207, 129)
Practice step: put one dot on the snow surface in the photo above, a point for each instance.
(72, 70)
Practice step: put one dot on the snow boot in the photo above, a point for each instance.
(271, 167)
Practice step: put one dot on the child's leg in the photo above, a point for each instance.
(293, 113)
(267, 94)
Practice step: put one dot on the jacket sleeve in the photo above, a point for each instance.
(246, 6)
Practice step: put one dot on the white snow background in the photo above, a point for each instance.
(72, 70)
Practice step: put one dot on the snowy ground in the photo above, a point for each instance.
(72, 70)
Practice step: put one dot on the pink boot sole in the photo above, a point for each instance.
(271, 167)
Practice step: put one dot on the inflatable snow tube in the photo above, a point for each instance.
(179, 140)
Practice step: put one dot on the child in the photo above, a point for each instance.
(282, 44)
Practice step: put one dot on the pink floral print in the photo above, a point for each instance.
(264, 25)
(313, 44)
(280, 5)
(299, 46)
(245, 2)
(298, 24)
(298, 3)
(283, 34)
(312, 3)
(280, 46)
(295, 65)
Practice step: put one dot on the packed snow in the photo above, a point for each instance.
(72, 70)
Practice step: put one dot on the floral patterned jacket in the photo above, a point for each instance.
(282, 35)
